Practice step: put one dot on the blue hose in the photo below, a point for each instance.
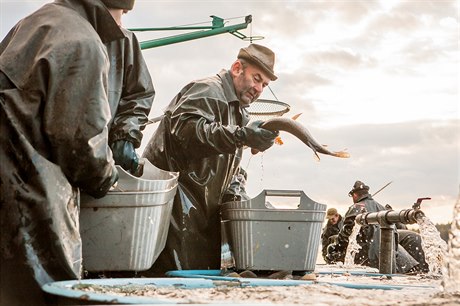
(192, 280)
(254, 282)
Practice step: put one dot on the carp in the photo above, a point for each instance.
(295, 128)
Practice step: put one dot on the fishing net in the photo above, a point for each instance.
(263, 109)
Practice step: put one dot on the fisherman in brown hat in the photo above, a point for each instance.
(202, 135)
(330, 231)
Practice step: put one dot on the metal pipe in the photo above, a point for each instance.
(386, 253)
(385, 218)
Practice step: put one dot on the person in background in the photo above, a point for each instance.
(131, 91)
(202, 135)
(369, 237)
(54, 136)
(330, 231)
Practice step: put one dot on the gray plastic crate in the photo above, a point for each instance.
(265, 238)
(126, 230)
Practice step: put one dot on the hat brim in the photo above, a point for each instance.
(255, 61)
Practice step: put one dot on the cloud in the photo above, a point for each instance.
(394, 22)
(338, 58)
(437, 9)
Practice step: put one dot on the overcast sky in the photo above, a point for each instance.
(379, 78)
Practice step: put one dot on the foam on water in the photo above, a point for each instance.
(433, 245)
(451, 279)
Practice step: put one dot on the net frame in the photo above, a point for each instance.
(263, 109)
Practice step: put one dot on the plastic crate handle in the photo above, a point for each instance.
(283, 193)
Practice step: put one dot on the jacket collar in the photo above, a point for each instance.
(229, 88)
(229, 92)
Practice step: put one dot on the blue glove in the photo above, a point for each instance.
(125, 155)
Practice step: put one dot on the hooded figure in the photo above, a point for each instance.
(54, 116)
(202, 135)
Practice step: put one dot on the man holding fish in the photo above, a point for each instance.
(202, 135)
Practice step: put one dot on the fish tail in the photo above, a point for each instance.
(342, 154)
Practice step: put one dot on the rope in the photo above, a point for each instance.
(204, 22)
(272, 92)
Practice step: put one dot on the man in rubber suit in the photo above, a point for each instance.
(369, 237)
(131, 91)
(202, 135)
(54, 115)
(330, 231)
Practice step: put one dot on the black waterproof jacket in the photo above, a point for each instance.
(131, 91)
(328, 231)
(54, 116)
(196, 137)
(368, 237)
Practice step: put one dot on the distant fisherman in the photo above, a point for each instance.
(331, 230)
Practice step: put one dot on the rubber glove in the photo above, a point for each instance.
(105, 186)
(334, 253)
(256, 137)
(125, 155)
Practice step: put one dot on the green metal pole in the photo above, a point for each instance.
(217, 29)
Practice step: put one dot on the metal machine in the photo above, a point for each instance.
(387, 220)
(217, 27)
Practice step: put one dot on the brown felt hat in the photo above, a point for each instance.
(260, 56)
(331, 212)
(119, 4)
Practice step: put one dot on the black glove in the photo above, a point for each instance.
(125, 155)
(256, 137)
(105, 186)
(334, 254)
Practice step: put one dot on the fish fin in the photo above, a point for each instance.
(296, 116)
(316, 156)
(279, 141)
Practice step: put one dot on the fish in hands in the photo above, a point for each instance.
(295, 128)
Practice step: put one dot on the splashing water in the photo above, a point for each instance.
(451, 278)
(262, 167)
(353, 247)
(433, 245)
